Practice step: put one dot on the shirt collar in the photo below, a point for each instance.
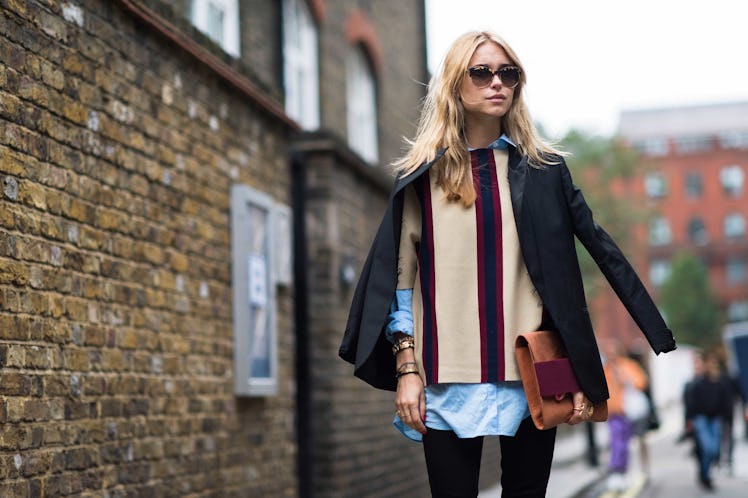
(501, 143)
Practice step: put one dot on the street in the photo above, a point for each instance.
(673, 469)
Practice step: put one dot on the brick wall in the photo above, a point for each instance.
(356, 451)
(400, 30)
(117, 153)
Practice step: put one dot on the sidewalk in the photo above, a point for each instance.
(672, 468)
(570, 473)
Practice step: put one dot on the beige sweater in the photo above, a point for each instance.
(472, 294)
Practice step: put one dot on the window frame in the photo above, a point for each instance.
(659, 226)
(733, 220)
(300, 64)
(276, 271)
(231, 34)
(361, 104)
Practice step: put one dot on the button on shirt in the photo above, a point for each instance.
(470, 410)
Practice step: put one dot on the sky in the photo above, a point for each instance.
(587, 60)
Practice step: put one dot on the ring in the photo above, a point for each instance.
(397, 412)
(591, 410)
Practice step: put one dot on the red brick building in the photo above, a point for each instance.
(695, 189)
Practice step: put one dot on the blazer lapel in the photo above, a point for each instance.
(517, 175)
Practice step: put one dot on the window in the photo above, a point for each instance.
(659, 232)
(655, 185)
(735, 270)
(361, 104)
(219, 19)
(690, 145)
(300, 64)
(694, 185)
(734, 226)
(697, 232)
(732, 178)
(652, 147)
(659, 271)
(734, 139)
(257, 248)
(737, 311)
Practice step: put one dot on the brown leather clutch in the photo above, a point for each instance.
(548, 379)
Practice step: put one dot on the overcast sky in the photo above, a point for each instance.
(587, 60)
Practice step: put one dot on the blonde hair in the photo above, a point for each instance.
(442, 123)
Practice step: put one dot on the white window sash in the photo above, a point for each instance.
(300, 64)
(229, 38)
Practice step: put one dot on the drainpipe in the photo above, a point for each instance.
(303, 371)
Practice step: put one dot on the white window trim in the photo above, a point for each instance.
(300, 64)
(361, 105)
(231, 40)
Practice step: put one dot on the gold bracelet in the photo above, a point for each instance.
(405, 343)
(406, 372)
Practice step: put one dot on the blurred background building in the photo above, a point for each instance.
(693, 185)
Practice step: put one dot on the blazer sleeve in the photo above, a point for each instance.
(616, 268)
(410, 236)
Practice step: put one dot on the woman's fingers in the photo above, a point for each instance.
(581, 408)
(411, 402)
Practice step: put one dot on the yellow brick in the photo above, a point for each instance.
(179, 261)
(12, 272)
(108, 220)
(75, 112)
(11, 163)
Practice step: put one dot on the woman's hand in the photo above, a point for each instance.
(411, 401)
(583, 409)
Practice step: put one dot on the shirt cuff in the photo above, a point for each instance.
(401, 314)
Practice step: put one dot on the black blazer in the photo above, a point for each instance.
(549, 211)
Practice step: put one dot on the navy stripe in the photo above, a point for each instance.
(491, 264)
(430, 350)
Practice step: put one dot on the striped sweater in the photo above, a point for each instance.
(471, 291)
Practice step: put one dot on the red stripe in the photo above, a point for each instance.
(481, 269)
(498, 237)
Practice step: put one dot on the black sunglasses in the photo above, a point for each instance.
(483, 75)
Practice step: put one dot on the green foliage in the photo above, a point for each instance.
(689, 304)
(596, 163)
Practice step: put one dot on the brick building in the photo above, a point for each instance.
(695, 188)
(186, 188)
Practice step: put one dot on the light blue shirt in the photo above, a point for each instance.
(470, 410)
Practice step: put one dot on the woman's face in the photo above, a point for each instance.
(493, 100)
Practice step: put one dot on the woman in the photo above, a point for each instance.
(476, 246)
(623, 375)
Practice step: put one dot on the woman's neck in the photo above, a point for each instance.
(480, 134)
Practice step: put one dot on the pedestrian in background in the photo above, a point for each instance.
(626, 416)
(705, 400)
(477, 246)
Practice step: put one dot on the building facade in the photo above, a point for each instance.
(695, 189)
(188, 189)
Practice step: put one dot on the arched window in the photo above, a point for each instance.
(300, 64)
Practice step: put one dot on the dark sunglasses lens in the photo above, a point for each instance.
(509, 76)
(481, 76)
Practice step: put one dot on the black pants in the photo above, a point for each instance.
(454, 464)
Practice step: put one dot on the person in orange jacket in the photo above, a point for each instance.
(623, 376)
